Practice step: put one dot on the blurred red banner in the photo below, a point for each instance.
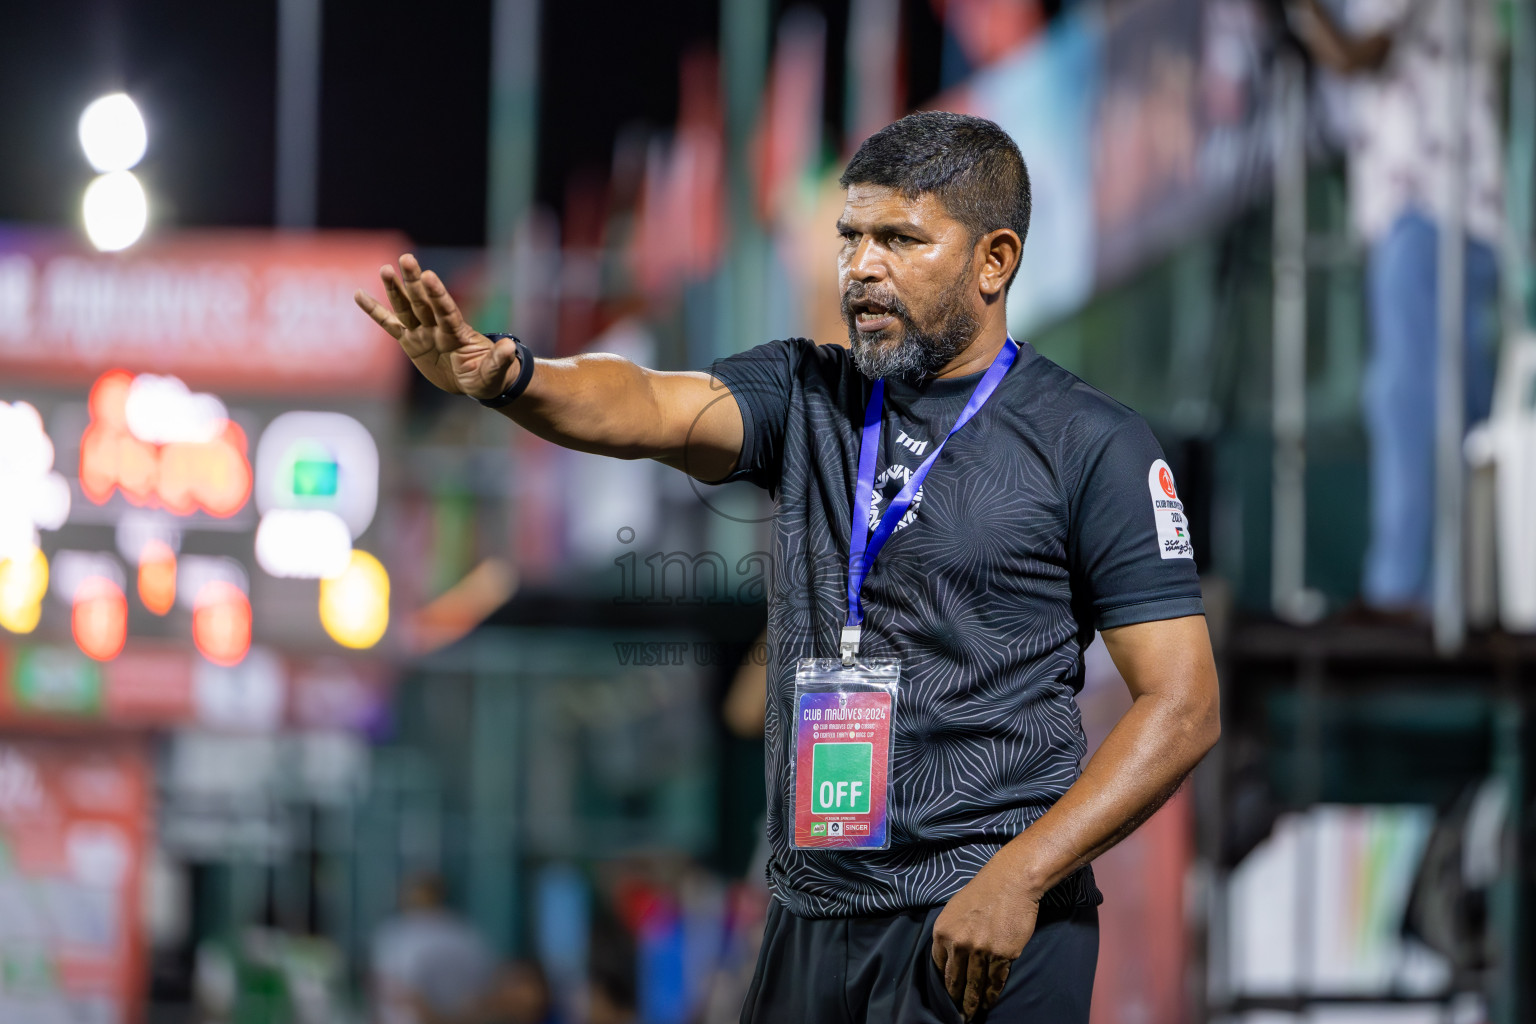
(75, 819)
(243, 311)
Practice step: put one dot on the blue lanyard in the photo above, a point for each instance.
(864, 544)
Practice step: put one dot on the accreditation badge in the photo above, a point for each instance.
(840, 772)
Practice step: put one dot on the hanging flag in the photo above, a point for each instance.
(788, 137)
(679, 231)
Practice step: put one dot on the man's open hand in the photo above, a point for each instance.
(978, 936)
(425, 320)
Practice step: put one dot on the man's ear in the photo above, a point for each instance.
(1000, 251)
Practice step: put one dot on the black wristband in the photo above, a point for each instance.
(524, 375)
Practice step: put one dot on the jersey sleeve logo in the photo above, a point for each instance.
(1173, 539)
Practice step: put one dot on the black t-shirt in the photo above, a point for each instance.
(1049, 515)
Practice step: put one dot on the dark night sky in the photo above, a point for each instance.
(403, 108)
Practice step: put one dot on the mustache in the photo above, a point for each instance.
(858, 292)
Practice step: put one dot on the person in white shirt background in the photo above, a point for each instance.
(1399, 57)
(427, 955)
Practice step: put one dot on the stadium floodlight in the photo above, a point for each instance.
(115, 210)
(112, 133)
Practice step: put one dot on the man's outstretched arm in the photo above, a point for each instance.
(592, 403)
(1174, 719)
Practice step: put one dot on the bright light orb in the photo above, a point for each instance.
(112, 133)
(23, 582)
(157, 576)
(303, 543)
(115, 211)
(221, 623)
(354, 607)
(99, 618)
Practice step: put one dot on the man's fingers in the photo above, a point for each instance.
(975, 984)
(997, 977)
(380, 314)
(415, 293)
(954, 973)
(397, 300)
(443, 306)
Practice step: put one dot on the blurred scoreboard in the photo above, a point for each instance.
(195, 443)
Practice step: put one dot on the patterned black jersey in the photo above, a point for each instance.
(1049, 515)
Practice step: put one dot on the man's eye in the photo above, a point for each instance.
(903, 239)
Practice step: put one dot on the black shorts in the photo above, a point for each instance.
(880, 970)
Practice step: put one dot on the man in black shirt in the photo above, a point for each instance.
(1001, 513)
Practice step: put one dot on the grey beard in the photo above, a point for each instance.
(914, 360)
(921, 354)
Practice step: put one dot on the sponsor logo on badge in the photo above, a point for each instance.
(834, 828)
(819, 828)
(1173, 539)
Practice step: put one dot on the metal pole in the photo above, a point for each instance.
(1450, 408)
(1508, 894)
(298, 112)
(1288, 551)
(514, 133)
(744, 65)
(495, 763)
(741, 288)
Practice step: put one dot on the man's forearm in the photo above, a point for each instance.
(607, 405)
(594, 403)
(1140, 765)
(601, 404)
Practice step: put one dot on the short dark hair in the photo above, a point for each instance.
(971, 164)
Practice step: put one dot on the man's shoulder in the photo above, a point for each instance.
(1064, 404)
(814, 359)
(784, 361)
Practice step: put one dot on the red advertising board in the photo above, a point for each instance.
(74, 828)
(245, 311)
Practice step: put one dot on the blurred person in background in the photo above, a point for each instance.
(1400, 58)
(427, 958)
(1051, 516)
(519, 994)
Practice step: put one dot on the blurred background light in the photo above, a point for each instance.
(354, 606)
(195, 572)
(23, 584)
(32, 495)
(157, 576)
(319, 460)
(162, 410)
(115, 211)
(303, 543)
(181, 476)
(112, 133)
(221, 623)
(99, 618)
